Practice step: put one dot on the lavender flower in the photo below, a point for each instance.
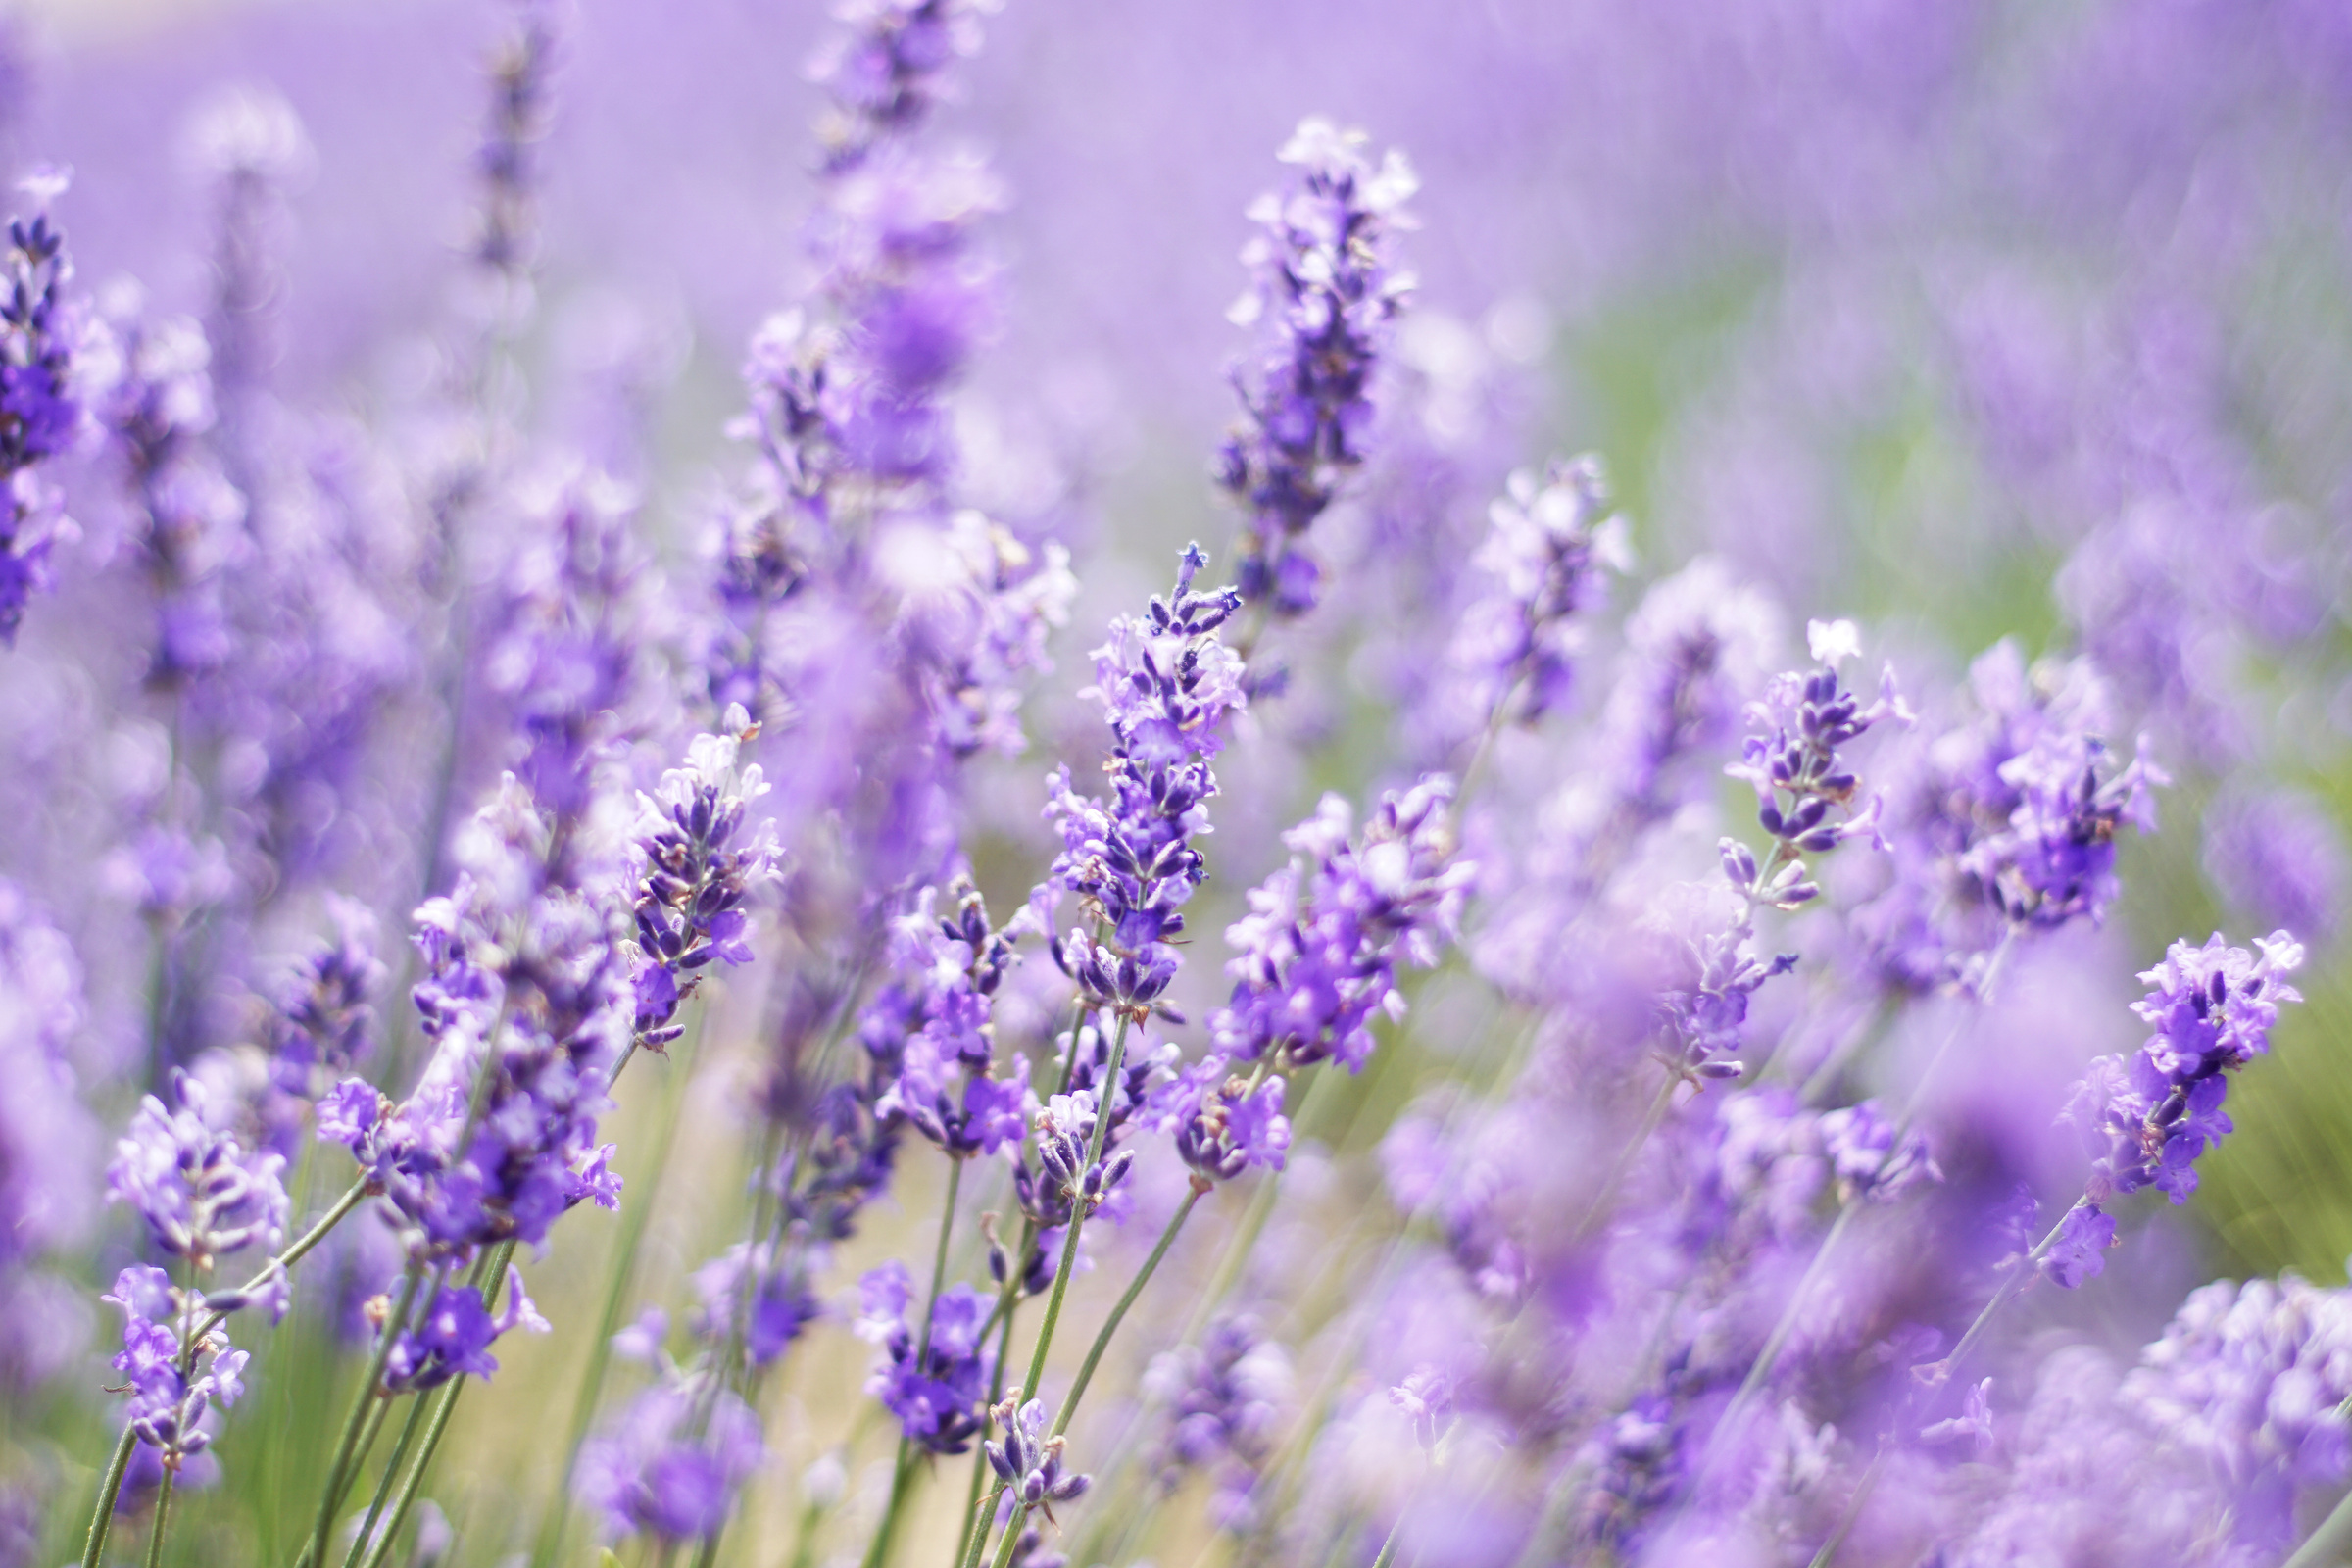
(695, 874)
(1167, 686)
(1225, 1400)
(753, 1290)
(1329, 290)
(201, 1193)
(524, 993)
(2146, 1118)
(2277, 855)
(932, 1022)
(323, 1021)
(42, 410)
(887, 71)
(171, 1398)
(1029, 1461)
(670, 1466)
(1223, 1124)
(1543, 558)
(453, 1337)
(1320, 948)
(937, 1394)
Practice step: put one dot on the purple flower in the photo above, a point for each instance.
(169, 1396)
(453, 1337)
(200, 1193)
(694, 874)
(1327, 290)
(936, 1394)
(759, 1289)
(324, 1020)
(930, 1029)
(524, 991)
(2145, 1119)
(888, 69)
(670, 1466)
(42, 410)
(1222, 1125)
(1225, 1400)
(1543, 560)
(1167, 686)
(1320, 948)
(2079, 1251)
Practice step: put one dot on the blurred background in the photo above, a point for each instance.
(1967, 321)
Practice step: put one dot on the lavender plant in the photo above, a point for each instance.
(802, 1115)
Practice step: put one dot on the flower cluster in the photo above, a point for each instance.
(1329, 290)
(888, 67)
(937, 1393)
(2148, 1117)
(1318, 953)
(696, 869)
(931, 1024)
(202, 1195)
(1029, 1461)
(1225, 1400)
(453, 1334)
(526, 1005)
(1167, 685)
(671, 1465)
(323, 1021)
(1549, 542)
(170, 1396)
(41, 414)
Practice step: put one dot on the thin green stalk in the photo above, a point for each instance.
(294, 1253)
(383, 1486)
(93, 1550)
(315, 1550)
(495, 1279)
(1110, 1324)
(1008, 1301)
(163, 1512)
(2330, 1544)
(1061, 1285)
(1388, 1547)
(879, 1552)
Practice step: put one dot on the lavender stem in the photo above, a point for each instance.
(879, 1554)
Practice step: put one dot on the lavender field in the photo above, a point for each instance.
(1262, 782)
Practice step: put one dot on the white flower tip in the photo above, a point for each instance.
(1832, 642)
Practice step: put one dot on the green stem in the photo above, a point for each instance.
(162, 1513)
(1388, 1547)
(2330, 1543)
(879, 1552)
(294, 1253)
(1110, 1325)
(383, 1486)
(315, 1550)
(1008, 1302)
(93, 1550)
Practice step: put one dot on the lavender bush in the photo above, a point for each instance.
(813, 964)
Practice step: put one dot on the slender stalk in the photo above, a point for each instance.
(1009, 1302)
(1605, 1200)
(1110, 1324)
(315, 1550)
(93, 1550)
(879, 1552)
(1388, 1547)
(1061, 1285)
(294, 1253)
(162, 1513)
(2019, 1278)
(2330, 1544)
(383, 1486)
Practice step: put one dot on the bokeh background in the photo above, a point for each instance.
(1969, 321)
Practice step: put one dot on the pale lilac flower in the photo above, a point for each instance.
(671, 1465)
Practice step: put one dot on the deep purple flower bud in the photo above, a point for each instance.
(323, 1021)
(168, 1408)
(1030, 1461)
